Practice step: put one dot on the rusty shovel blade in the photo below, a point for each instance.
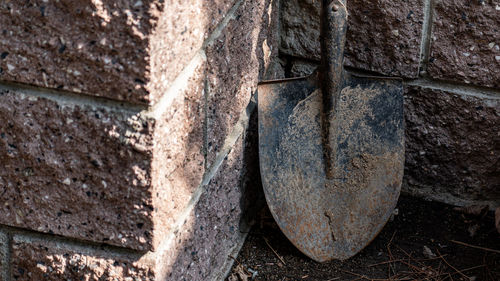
(331, 217)
(331, 150)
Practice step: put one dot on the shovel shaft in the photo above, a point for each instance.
(333, 31)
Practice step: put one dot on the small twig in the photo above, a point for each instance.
(363, 276)
(392, 238)
(279, 257)
(463, 270)
(235, 259)
(400, 260)
(410, 258)
(474, 267)
(448, 275)
(475, 247)
(417, 269)
(391, 257)
(357, 275)
(336, 278)
(488, 269)
(384, 262)
(458, 271)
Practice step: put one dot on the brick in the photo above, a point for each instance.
(122, 176)
(465, 42)
(182, 28)
(75, 170)
(301, 68)
(216, 227)
(200, 250)
(4, 260)
(42, 259)
(113, 176)
(236, 60)
(125, 50)
(452, 143)
(383, 36)
(179, 157)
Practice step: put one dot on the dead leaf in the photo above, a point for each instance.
(243, 275)
(428, 253)
(497, 219)
(474, 210)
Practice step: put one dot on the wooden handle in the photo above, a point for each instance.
(333, 34)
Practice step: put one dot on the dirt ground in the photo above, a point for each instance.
(425, 241)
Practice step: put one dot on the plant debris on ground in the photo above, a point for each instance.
(424, 241)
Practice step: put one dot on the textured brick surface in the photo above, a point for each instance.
(120, 177)
(383, 36)
(181, 31)
(465, 42)
(199, 251)
(236, 60)
(453, 143)
(75, 170)
(94, 174)
(126, 50)
(301, 68)
(4, 262)
(40, 259)
(178, 156)
(214, 229)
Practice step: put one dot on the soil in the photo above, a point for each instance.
(422, 242)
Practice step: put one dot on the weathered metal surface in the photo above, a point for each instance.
(331, 218)
(331, 150)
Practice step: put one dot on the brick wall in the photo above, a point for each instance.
(124, 136)
(448, 54)
(127, 128)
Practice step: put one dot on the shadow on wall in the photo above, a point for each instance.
(450, 144)
(235, 61)
(221, 218)
(215, 227)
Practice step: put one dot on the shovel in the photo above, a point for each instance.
(331, 150)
